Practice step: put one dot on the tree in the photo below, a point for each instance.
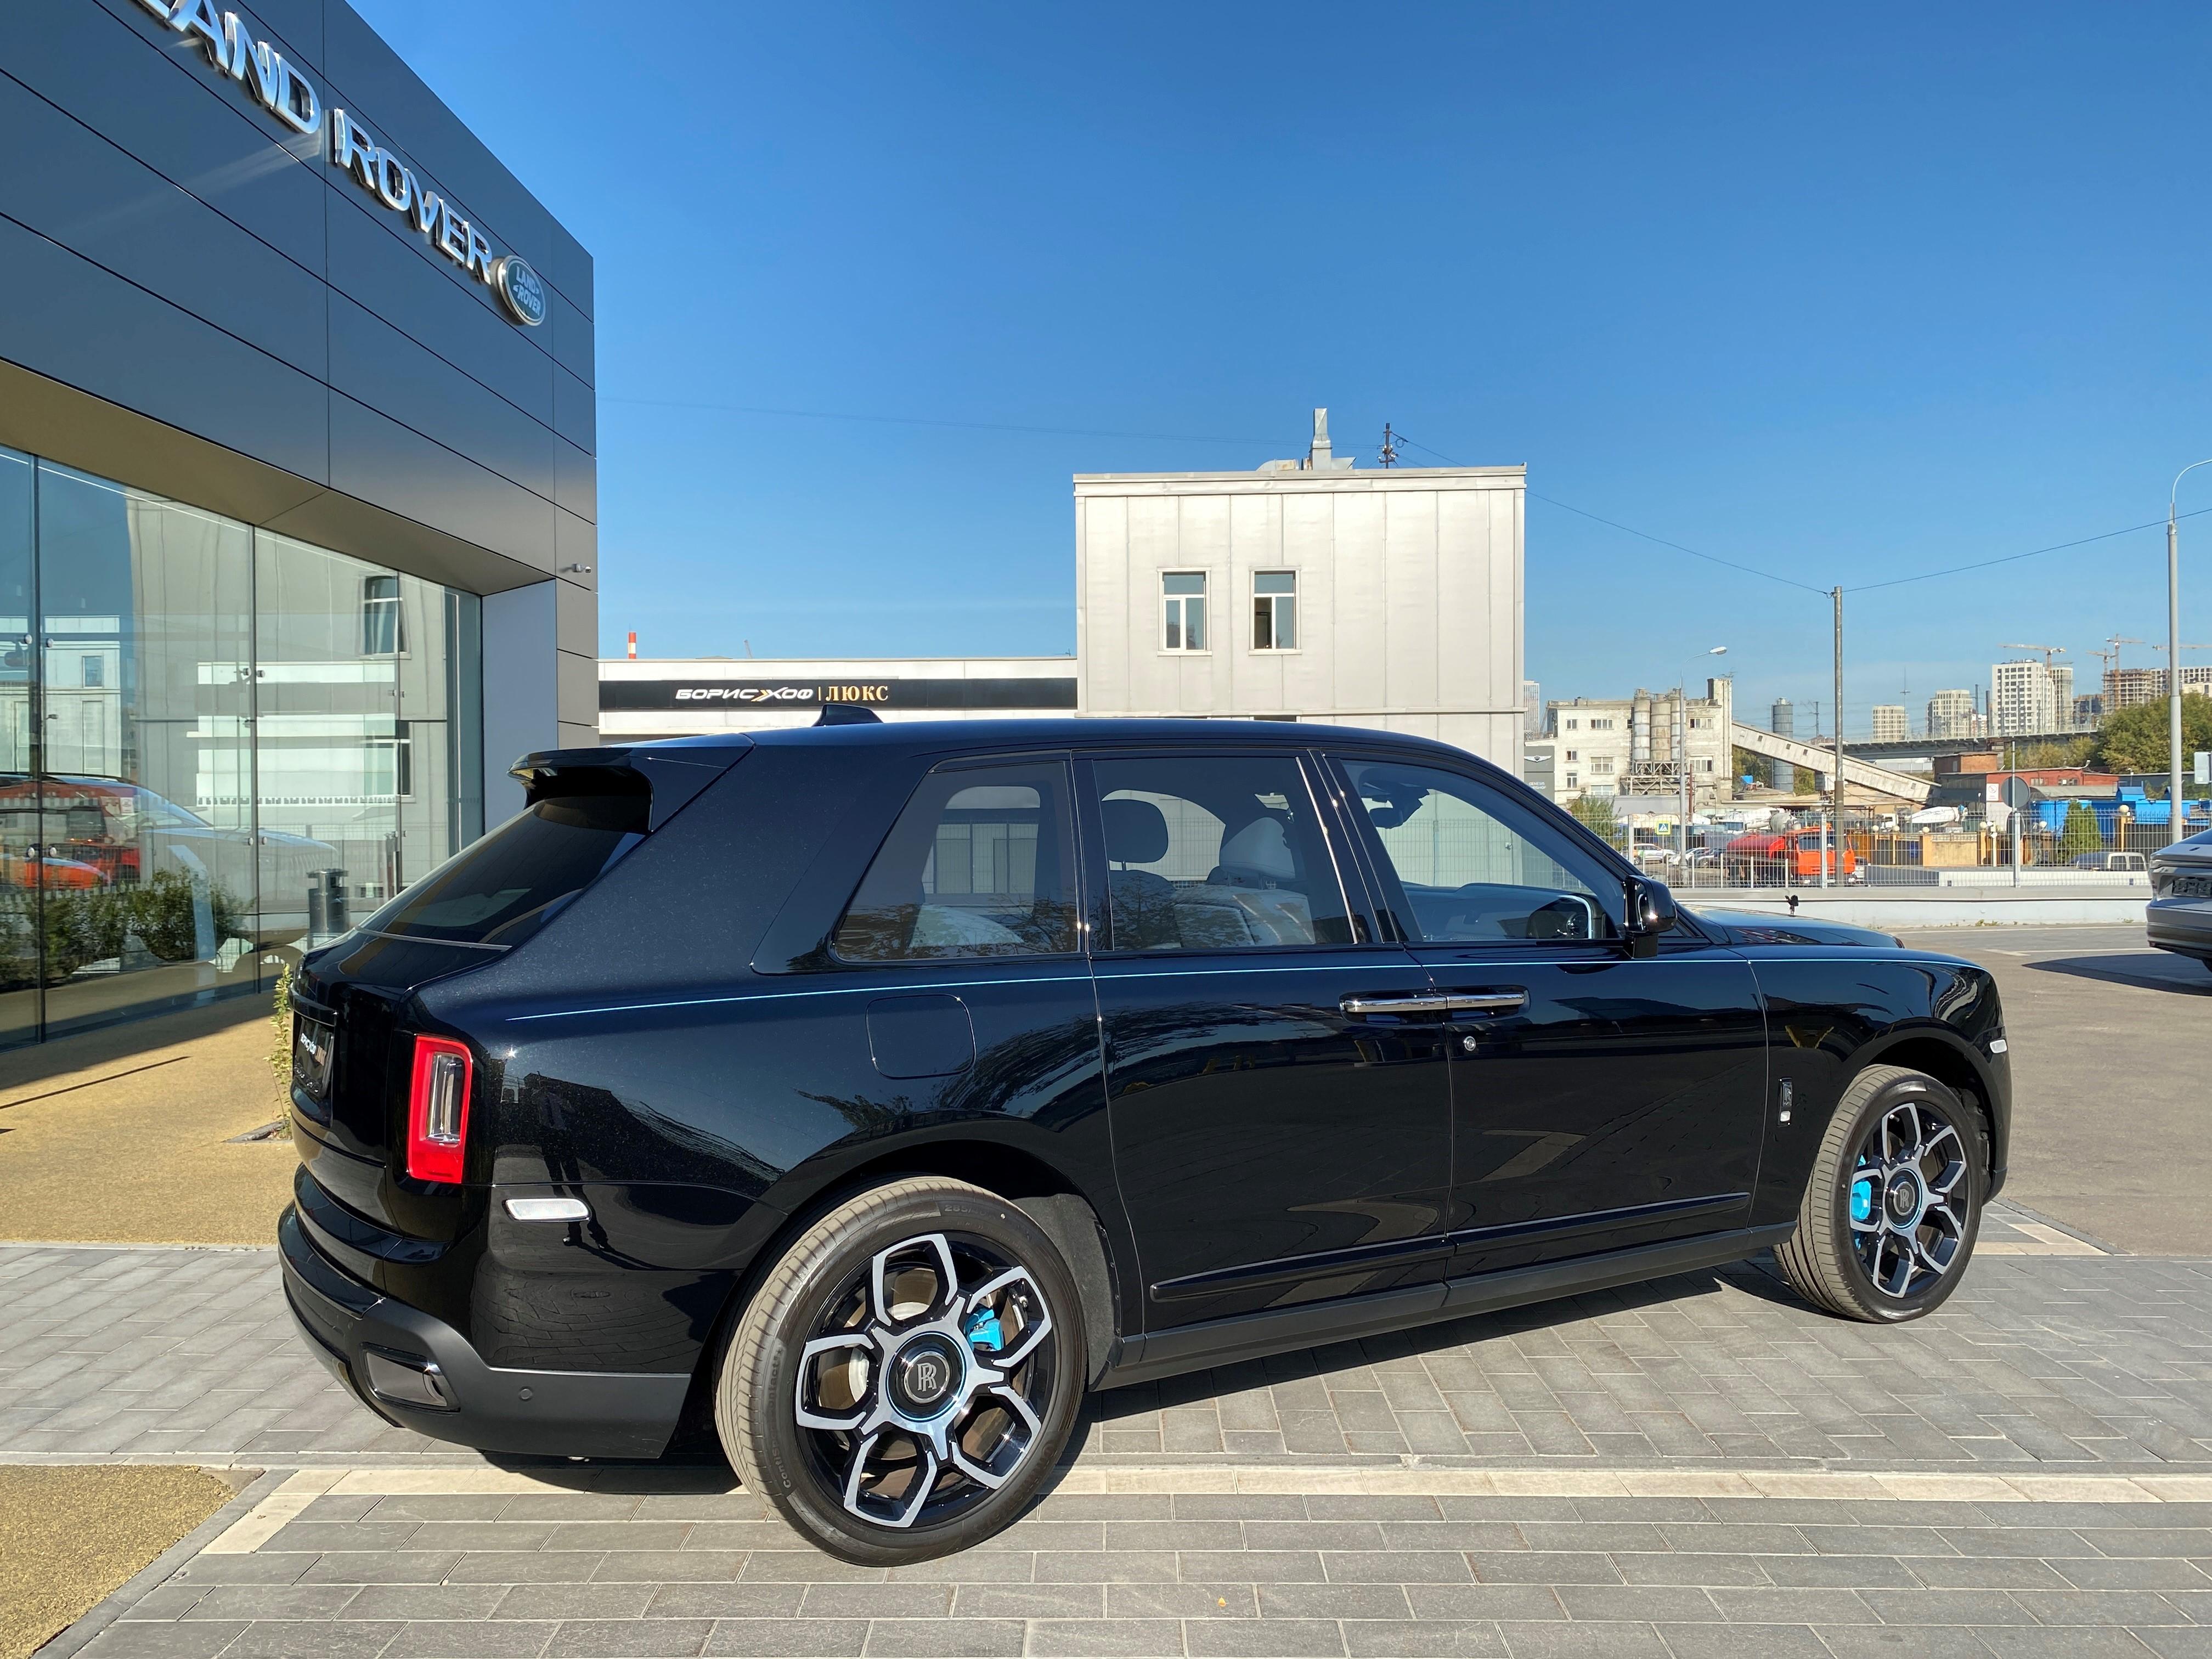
(1596, 812)
(2134, 739)
(2081, 834)
(2066, 751)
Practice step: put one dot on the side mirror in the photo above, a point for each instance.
(1648, 912)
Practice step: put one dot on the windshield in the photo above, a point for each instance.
(507, 886)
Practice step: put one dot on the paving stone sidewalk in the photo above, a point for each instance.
(142, 1353)
(696, 1573)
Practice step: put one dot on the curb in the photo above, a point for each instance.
(118, 1601)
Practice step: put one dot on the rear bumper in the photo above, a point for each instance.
(2182, 924)
(532, 1414)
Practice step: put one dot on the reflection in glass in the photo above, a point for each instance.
(217, 746)
(330, 727)
(980, 864)
(19, 819)
(146, 831)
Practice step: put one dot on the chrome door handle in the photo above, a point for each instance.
(1487, 1002)
(1399, 1002)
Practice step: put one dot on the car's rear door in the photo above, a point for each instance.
(1600, 1099)
(1277, 1092)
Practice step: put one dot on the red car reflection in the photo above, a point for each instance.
(34, 869)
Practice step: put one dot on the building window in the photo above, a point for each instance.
(1601, 726)
(1572, 780)
(1603, 765)
(389, 769)
(1705, 764)
(382, 632)
(95, 672)
(1574, 725)
(1574, 754)
(1275, 610)
(1183, 599)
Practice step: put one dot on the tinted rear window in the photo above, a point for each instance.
(505, 887)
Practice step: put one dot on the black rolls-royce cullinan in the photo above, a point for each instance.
(869, 1091)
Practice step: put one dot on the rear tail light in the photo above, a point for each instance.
(437, 1109)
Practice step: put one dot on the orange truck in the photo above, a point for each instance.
(1790, 855)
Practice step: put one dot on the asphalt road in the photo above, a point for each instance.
(2111, 1052)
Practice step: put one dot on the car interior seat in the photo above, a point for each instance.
(1143, 901)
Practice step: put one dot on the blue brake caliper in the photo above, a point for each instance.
(983, 1332)
(1862, 1195)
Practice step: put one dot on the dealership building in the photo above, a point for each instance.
(297, 494)
(1308, 590)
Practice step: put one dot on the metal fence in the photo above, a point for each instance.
(2085, 849)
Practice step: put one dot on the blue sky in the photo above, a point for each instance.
(1845, 295)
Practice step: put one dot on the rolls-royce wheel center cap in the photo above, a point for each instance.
(925, 1375)
(1903, 1197)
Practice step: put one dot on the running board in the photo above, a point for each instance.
(1252, 1336)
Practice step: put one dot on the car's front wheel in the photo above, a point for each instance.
(1889, 1217)
(903, 1382)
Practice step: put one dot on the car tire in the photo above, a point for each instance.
(1882, 1236)
(905, 1379)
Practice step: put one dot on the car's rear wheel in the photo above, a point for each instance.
(904, 1380)
(1889, 1217)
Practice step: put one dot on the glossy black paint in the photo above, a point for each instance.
(1243, 1165)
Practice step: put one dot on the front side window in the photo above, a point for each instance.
(1182, 605)
(1477, 866)
(1216, 853)
(1275, 610)
(981, 864)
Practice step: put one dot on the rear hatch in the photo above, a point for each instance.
(355, 1016)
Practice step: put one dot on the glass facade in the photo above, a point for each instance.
(214, 743)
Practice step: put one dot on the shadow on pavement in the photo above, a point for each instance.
(1194, 1386)
(2160, 972)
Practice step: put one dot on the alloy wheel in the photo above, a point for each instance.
(923, 1389)
(1908, 1199)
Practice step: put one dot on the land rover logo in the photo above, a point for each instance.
(227, 41)
(519, 290)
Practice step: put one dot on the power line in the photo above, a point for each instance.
(1631, 530)
(1271, 443)
(2010, 558)
(1863, 587)
(956, 426)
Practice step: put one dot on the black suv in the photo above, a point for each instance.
(873, 1091)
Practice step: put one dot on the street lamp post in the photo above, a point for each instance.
(1682, 767)
(2176, 801)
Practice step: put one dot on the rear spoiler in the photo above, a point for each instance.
(669, 775)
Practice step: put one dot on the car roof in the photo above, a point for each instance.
(931, 736)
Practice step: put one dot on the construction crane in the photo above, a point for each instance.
(2048, 652)
(2111, 655)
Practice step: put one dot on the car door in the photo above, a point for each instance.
(1274, 1144)
(1600, 1098)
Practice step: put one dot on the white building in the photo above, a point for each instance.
(2024, 698)
(1626, 745)
(1952, 714)
(1889, 722)
(1309, 590)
